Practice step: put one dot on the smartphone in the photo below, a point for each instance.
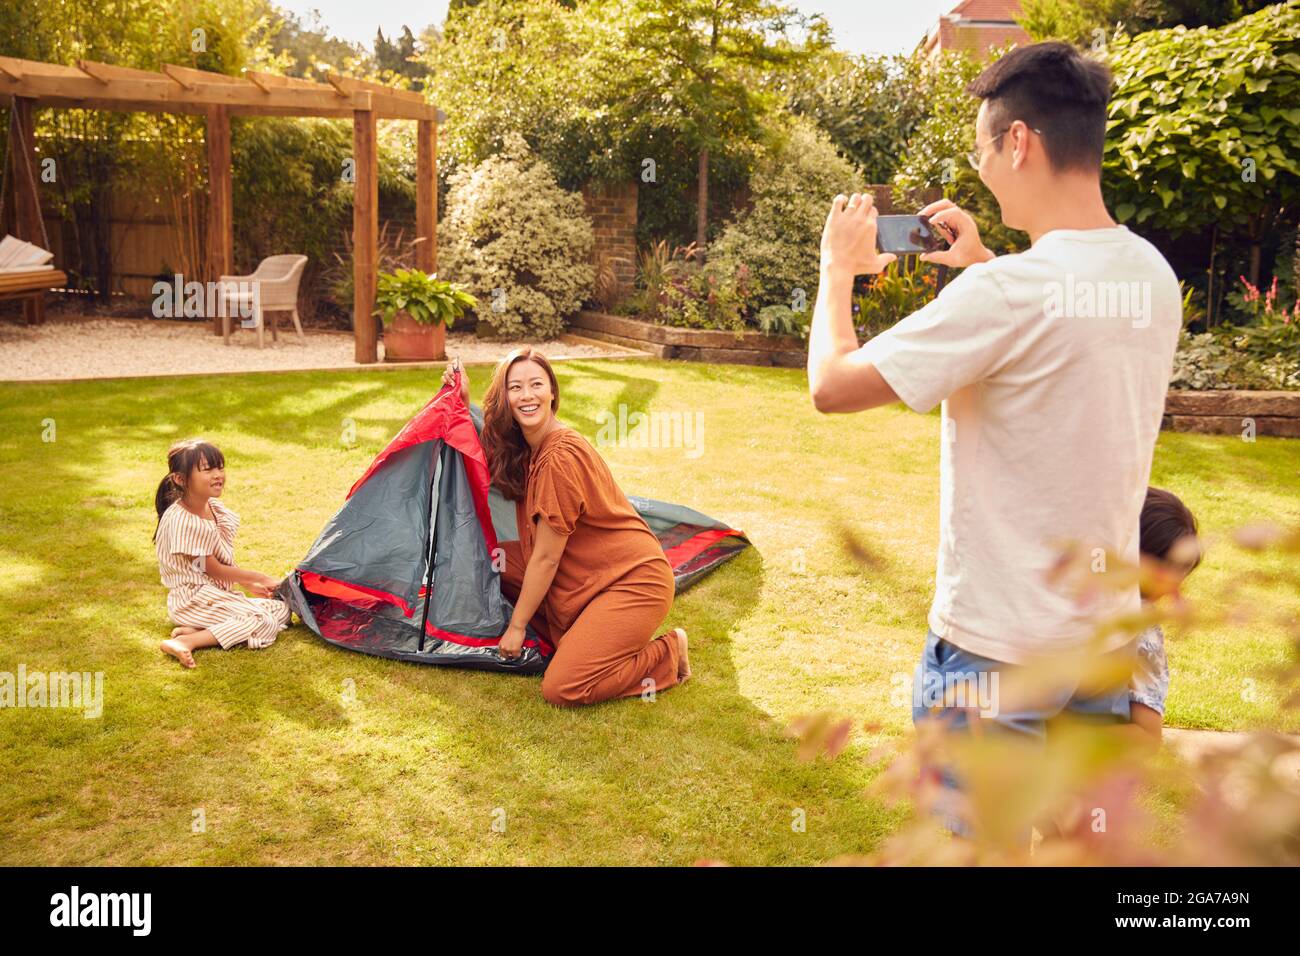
(907, 235)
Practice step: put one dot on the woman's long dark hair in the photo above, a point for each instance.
(504, 444)
(182, 458)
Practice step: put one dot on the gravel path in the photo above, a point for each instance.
(72, 347)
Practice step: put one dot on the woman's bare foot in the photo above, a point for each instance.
(179, 651)
(184, 629)
(683, 659)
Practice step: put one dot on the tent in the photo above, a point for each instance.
(405, 568)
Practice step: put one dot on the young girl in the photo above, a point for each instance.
(195, 539)
(1167, 533)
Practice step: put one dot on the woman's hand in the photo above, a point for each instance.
(449, 378)
(512, 642)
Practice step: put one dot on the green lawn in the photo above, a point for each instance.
(425, 761)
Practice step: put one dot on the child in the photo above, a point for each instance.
(1167, 534)
(195, 539)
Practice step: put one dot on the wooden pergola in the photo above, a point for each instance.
(27, 85)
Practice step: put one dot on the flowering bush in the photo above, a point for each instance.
(1273, 330)
(706, 297)
(906, 285)
(518, 242)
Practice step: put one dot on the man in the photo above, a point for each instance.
(1051, 366)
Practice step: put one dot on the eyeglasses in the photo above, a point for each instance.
(975, 155)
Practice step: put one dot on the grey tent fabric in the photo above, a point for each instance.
(367, 583)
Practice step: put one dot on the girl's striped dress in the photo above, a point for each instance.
(196, 599)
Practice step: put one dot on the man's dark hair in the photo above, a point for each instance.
(1165, 521)
(1054, 88)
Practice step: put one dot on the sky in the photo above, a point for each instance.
(860, 26)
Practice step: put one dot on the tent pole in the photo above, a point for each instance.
(433, 549)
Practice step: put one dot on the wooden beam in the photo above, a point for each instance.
(365, 235)
(182, 89)
(221, 235)
(348, 84)
(114, 87)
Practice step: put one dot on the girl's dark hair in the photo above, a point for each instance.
(1165, 521)
(182, 458)
(504, 444)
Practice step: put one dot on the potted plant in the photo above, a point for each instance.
(416, 309)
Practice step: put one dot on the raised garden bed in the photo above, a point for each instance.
(697, 345)
(1228, 412)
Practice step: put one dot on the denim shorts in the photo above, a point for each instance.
(945, 666)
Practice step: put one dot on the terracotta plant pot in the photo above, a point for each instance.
(406, 340)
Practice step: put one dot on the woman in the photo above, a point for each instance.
(587, 571)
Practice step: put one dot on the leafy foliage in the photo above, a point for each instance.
(518, 242)
(425, 298)
(1204, 124)
(778, 236)
(905, 285)
(1212, 360)
(869, 105)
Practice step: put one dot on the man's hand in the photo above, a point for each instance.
(955, 225)
(849, 238)
(512, 642)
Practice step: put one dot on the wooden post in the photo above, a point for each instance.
(221, 227)
(25, 194)
(426, 211)
(22, 169)
(426, 196)
(365, 235)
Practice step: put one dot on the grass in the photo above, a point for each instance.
(425, 765)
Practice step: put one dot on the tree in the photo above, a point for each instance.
(868, 105)
(694, 66)
(309, 45)
(516, 66)
(1091, 22)
(1204, 128)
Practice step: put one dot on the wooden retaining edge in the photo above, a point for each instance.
(1232, 412)
(701, 345)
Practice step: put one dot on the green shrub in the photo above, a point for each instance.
(709, 297)
(425, 298)
(906, 285)
(779, 237)
(517, 242)
(1211, 361)
(782, 320)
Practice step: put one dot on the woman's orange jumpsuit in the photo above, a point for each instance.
(613, 586)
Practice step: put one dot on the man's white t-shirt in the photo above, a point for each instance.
(1052, 367)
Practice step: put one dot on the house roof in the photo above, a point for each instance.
(973, 26)
(1003, 10)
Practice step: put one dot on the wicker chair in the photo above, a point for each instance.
(277, 279)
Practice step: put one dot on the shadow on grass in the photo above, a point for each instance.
(699, 772)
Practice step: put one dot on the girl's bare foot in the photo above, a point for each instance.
(683, 659)
(184, 629)
(179, 651)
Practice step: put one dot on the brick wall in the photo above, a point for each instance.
(612, 210)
